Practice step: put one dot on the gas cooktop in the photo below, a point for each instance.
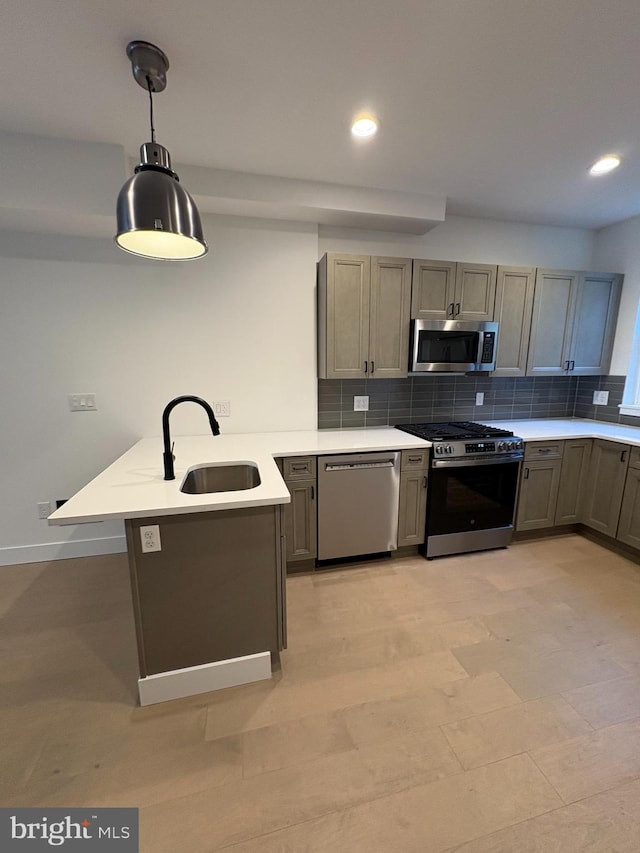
(453, 431)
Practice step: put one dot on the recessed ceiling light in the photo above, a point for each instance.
(605, 164)
(364, 126)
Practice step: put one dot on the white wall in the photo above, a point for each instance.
(478, 240)
(617, 249)
(237, 325)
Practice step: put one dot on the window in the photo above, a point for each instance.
(631, 396)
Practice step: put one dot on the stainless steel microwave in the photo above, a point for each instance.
(452, 346)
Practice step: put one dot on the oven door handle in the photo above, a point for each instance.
(474, 463)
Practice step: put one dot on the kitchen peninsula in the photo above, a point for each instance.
(207, 569)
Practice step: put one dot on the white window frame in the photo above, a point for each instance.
(631, 396)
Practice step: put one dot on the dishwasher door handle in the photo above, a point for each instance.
(354, 466)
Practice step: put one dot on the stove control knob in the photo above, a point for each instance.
(519, 445)
(501, 445)
(438, 449)
(448, 449)
(509, 445)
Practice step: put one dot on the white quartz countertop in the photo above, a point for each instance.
(542, 430)
(133, 486)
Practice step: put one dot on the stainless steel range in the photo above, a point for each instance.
(472, 486)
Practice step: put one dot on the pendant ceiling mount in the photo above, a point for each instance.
(148, 62)
(157, 218)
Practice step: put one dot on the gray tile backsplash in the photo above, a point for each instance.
(445, 398)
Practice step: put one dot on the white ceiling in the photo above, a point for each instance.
(499, 105)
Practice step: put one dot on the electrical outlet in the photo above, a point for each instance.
(360, 404)
(150, 538)
(480, 398)
(82, 402)
(222, 409)
(44, 509)
(600, 398)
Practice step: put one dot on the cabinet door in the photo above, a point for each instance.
(514, 307)
(412, 515)
(389, 318)
(573, 480)
(475, 293)
(433, 290)
(553, 310)
(607, 472)
(596, 313)
(301, 521)
(629, 525)
(343, 316)
(538, 494)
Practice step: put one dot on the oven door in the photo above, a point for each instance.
(471, 495)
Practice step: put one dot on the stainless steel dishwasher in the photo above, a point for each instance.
(358, 504)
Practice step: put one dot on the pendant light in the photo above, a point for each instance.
(157, 218)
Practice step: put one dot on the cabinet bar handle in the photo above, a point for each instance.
(457, 309)
(526, 473)
(623, 456)
(566, 366)
(450, 310)
(573, 364)
(313, 493)
(424, 482)
(373, 366)
(415, 459)
(366, 366)
(544, 450)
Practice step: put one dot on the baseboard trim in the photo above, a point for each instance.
(178, 683)
(48, 551)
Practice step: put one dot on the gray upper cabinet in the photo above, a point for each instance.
(574, 317)
(363, 317)
(446, 290)
(596, 313)
(514, 307)
(553, 311)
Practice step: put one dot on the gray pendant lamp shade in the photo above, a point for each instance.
(157, 218)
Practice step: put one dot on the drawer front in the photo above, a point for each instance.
(634, 457)
(299, 467)
(414, 459)
(543, 450)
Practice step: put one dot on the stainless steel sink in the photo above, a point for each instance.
(220, 478)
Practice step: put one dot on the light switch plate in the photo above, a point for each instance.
(600, 398)
(480, 398)
(360, 404)
(82, 402)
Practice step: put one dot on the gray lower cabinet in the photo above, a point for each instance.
(539, 481)
(300, 516)
(514, 307)
(605, 485)
(629, 524)
(444, 290)
(574, 474)
(215, 590)
(412, 513)
(363, 317)
(573, 324)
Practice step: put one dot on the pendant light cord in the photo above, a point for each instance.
(153, 130)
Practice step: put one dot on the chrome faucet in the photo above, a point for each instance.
(168, 456)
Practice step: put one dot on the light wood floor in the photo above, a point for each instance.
(484, 704)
